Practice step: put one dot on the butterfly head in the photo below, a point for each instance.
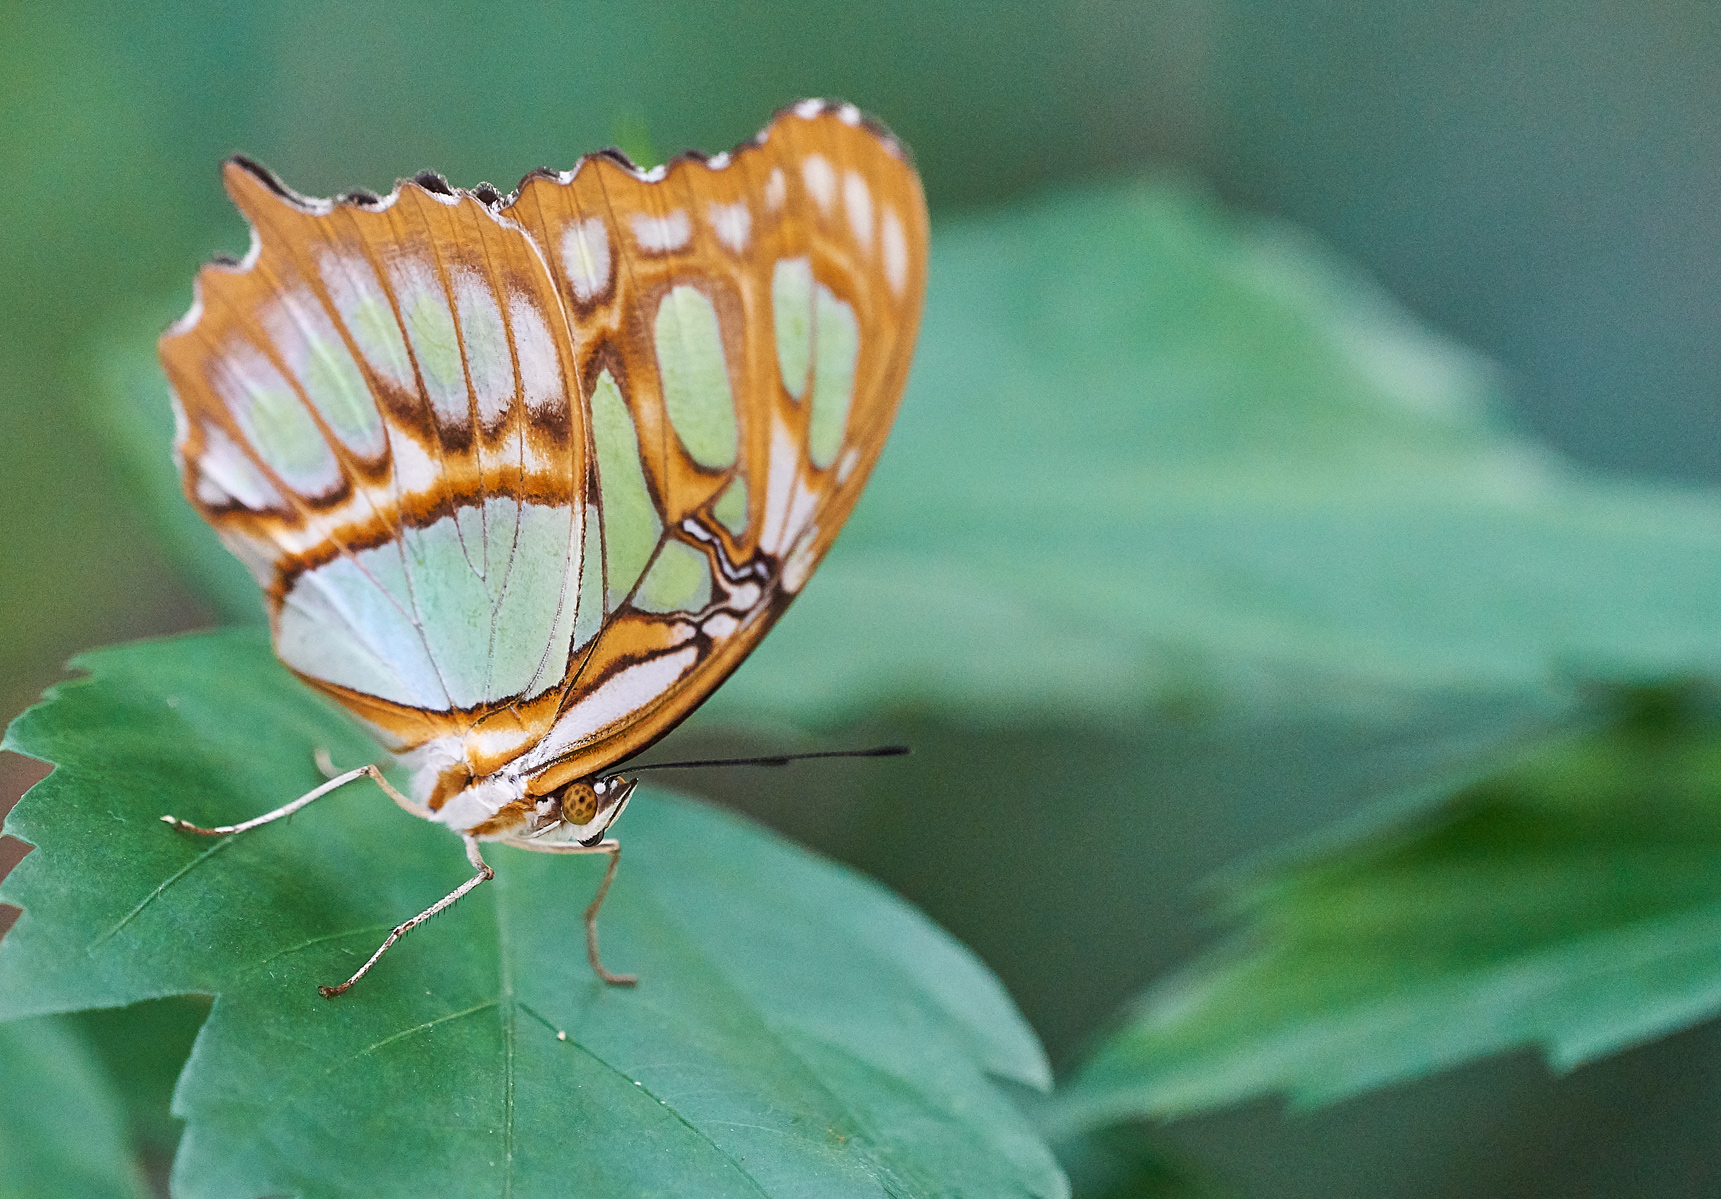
(583, 810)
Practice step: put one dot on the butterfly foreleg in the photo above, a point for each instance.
(287, 809)
(325, 762)
(612, 849)
(484, 875)
(326, 765)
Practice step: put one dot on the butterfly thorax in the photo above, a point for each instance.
(516, 803)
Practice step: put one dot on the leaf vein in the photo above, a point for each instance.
(418, 1028)
(318, 940)
(671, 1109)
(155, 894)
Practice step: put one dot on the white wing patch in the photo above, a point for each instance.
(225, 474)
(821, 181)
(661, 234)
(895, 250)
(789, 502)
(857, 201)
(540, 373)
(732, 223)
(586, 258)
(619, 697)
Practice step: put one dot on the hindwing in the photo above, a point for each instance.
(530, 475)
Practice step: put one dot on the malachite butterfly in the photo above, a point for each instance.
(525, 477)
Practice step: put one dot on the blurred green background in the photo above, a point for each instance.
(1539, 180)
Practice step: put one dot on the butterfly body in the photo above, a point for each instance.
(524, 478)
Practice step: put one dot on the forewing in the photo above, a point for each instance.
(746, 322)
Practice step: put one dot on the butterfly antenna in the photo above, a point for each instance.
(882, 751)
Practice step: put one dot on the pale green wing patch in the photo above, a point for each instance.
(792, 321)
(314, 353)
(333, 382)
(631, 524)
(731, 506)
(348, 623)
(424, 624)
(359, 299)
(696, 390)
(679, 581)
(837, 345)
(274, 421)
(590, 617)
(435, 340)
(532, 609)
(451, 600)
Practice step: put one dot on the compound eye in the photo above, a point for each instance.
(579, 803)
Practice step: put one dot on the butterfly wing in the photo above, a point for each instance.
(378, 413)
(528, 478)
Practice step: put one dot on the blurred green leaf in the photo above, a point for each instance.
(1571, 902)
(62, 1128)
(631, 131)
(143, 1048)
(1125, 1162)
(126, 404)
(796, 1030)
(1149, 448)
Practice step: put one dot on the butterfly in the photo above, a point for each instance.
(524, 477)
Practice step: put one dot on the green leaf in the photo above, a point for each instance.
(62, 1128)
(796, 1030)
(1149, 448)
(1571, 902)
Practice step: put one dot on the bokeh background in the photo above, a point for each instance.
(1539, 180)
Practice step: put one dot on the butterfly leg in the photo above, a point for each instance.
(612, 849)
(484, 875)
(287, 809)
(326, 766)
